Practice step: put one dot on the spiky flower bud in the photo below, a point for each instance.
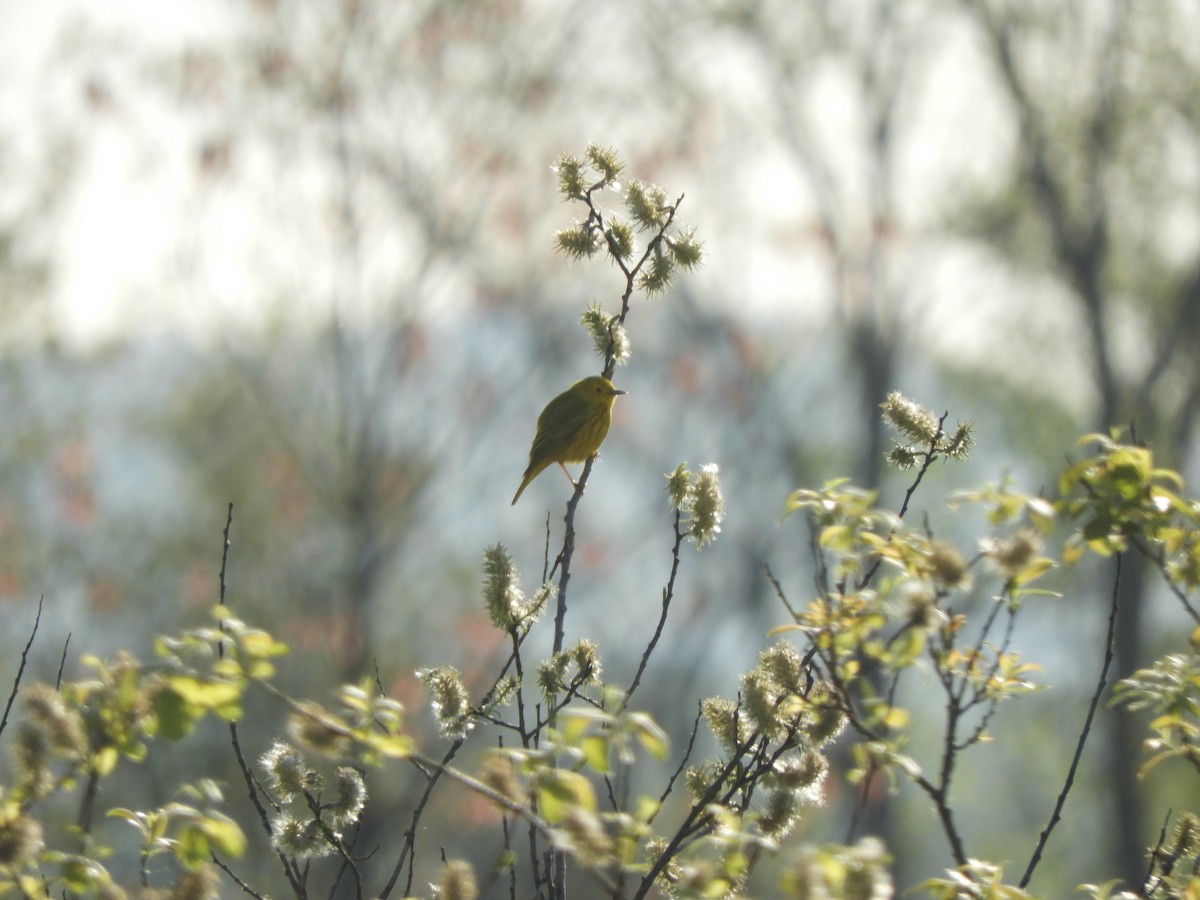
(947, 565)
(760, 695)
(349, 797)
(287, 771)
(1013, 553)
(504, 691)
(554, 674)
(502, 595)
(299, 839)
(824, 717)
(698, 496)
(498, 774)
(457, 882)
(62, 726)
(781, 814)
(450, 701)
(607, 333)
(802, 773)
(698, 779)
(606, 163)
(570, 172)
(687, 252)
(903, 458)
(679, 486)
(960, 443)
(1185, 841)
(912, 420)
(537, 603)
(31, 759)
(20, 839)
(646, 203)
(707, 506)
(620, 239)
(586, 657)
(577, 243)
(785, 665)
(658, 274)
(722, 718)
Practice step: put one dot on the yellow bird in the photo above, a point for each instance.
(571, 427)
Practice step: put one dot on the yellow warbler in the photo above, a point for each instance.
(571, 427)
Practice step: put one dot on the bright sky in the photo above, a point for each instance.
(118, 221)
(125, 269)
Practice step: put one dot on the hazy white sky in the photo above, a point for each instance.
(124, 267)
(122, 204)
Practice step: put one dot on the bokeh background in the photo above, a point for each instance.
(296, 255)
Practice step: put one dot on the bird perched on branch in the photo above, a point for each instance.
(571, 427)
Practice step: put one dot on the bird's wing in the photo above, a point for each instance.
(559, 422)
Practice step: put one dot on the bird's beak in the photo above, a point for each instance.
(617, 391)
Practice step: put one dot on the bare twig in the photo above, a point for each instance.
(687, 754)
(21, 667)
(246, 889)
(433, 772)
(667, 594)
(221, 577)
(62, 664)
(1101, 683)
(563, 563)
(779, 591)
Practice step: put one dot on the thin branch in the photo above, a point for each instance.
(687, 754)
(410, 835)
(779, 591)
(1160, 563)
(667, 594)
(563, 563)
(1102, 682)
(221, 576)
(294, 877)
(225, 553)
(62, 664)
(246, 889)
(21, 668)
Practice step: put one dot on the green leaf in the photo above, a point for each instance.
(105, 760)
(650, 735)
(220, 697)
(595, 752)
(175, 716)
(559, 789)
(646, 809)
(907, 646)
(224, 833)
(192, 847)
(260, 644)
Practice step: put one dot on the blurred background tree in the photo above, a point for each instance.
(296, 256)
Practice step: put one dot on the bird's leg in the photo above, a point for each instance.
(568, 474)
